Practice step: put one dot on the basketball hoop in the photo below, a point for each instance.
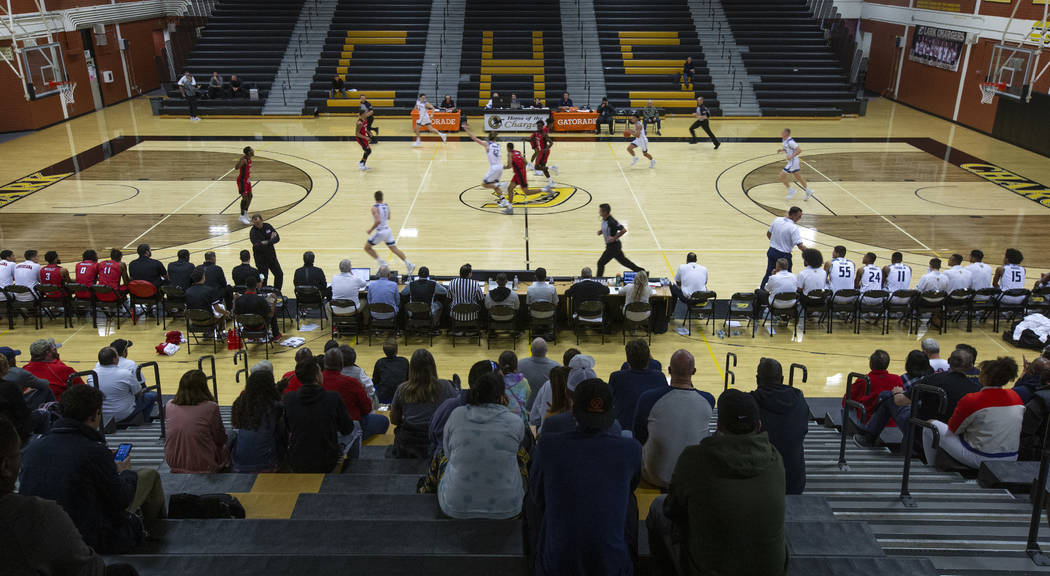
(67, 90)
(989, 90)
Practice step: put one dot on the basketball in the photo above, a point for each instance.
(627, 133)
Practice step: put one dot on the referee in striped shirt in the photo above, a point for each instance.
(463, 290)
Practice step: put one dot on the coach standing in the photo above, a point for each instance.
(263, 237)
(783, 236)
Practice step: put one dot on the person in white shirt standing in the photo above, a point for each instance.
(27, 273)
(792, 170)
(188, 89)
(842, 273)
(934, 279)
(980, 273)
(1009, 276)
(813, 276)
(346, 286)
(424, 109)
(784, 236)
(958, 277)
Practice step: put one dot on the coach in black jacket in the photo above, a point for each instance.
(785, 416)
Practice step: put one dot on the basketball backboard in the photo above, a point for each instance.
(44, 66)
(1011, 67)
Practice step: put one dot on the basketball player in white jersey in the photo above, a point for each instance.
(842, 273)
(933, 279)
(380, 232)
(958, 277)
(424, 109)
(1010, 276)
(792, 169)
(491, 179)
(640, 141)
(813, 276)
(7, 271)
(870, 277)
(980, 273)
(896, 276)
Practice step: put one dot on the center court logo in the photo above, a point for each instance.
(563, 197)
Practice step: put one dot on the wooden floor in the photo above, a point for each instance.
(896, 179)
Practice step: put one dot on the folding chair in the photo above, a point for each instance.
(929, 302)
(52, 300)
(346, 323)
(144, 294)
(381, 326)
(872, 302)
(984, 303)
(308, 298)
(79, 301)
(173, 303)
(419, 321)
(643, 312)
(201, 324)
(783, 307)
(107, 300)
(27, 306)
(1039, 301)
(741, 305)
(900, 303)
(542, 320)
(842, 302)
(503, 321)
(816, 302)
(699, 306)
(1013, 309)
(959, 303)
(590, 315)
(466, 322)
(252, 326)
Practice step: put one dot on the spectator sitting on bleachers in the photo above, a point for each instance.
(447, 104)
(73, 466)
(1034, 377)
(561, 396)
(351, 369)
(414, 404)
(125, 398)
(955, 384)
(974, 374)
(45, 363)
(985, 425)
(317, 423)
(785, 418)
(425, 290)
(12, 405)
(881, 381)
(179, 271)
(352, 391)
(495, 102)
(542, 401)
(727, 497)
(215, 89)
(517, 387)
(383, 290)
(585, 523)
(637, 291)
(896, 403)
(581, 368)
(565, 103)
(147, 268)
(536, 368)
(259, 442)
(464, 291)
(501, 295)
(196, 438)
(688, 71)
(651, 115)
(237, 90)
(389, 372)
(813, 276)
(630, 383)
(1036, 417)
(338, 85)
(932, 349)
(35, 391)
(605, 116)
(514, 103)
(481, 441)
(670, 418)
(242, 271)
(310, 275)
(39, 536)
(436, 430)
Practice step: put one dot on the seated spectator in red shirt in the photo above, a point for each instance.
(881, 381)
(45, 363)
(352, 391)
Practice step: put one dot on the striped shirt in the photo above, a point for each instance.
(465, 291)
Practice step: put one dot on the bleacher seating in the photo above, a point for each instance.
(800, 75)
(378, 49)
(243, 37)
(511, 51)
(643, 51)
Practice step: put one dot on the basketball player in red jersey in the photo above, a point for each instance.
(53, 274)
(113, 273)
(541, 142)
(244, 183)
(361, 131)
(516, 162)
(87, 272)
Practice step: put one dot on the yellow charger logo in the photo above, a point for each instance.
(539, 199)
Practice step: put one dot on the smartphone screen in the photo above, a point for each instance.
(123, 451)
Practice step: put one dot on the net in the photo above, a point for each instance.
(68, 90)
(989, 90)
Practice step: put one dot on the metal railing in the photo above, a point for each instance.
(847, 404)
(919, 393)
(730, 376)
(160, 392)
(212, 376)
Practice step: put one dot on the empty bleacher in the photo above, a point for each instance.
(378, 49)
(512, 49)
(243, 37)
(643, 51)
(800, 74)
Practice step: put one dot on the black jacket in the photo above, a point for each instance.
(147, 269)
(311, 276)
(241, 273)
(785, 417)
(315, 418)
(584, 290)
(74, 467)
(215, 277)
(260, 235)
(179, 273)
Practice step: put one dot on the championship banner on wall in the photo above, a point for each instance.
(514, 122)
(937, 47)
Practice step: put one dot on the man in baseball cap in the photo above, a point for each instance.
(121, 346)
(586, 477)
(45, 363)
(729, 493)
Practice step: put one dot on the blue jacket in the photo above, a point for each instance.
(262, 449)
(628, 385)
(74, 467)
(785, 417)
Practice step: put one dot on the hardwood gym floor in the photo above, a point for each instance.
(896, 179)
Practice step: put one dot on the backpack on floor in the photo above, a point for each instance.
(204, 506)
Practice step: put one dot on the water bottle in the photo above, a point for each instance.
(515, 281)
(722, 334)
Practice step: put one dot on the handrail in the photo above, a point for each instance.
(94, 381)
(791, 374)
(730, 377)
(847, 404)
(214, 380)
(1038, 495)
(160, 393)
(918, 394)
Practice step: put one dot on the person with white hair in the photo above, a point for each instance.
(536, 368)
(932, 349)
(383, 290)
(263, 366)
(346, 286)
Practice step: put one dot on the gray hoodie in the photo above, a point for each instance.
(482, 478)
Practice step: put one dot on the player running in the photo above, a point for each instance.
(424, 108)
(792, 169)
(640, 141)
(516, 162)
(380, 232)
(362, 134)
(244, 183)
(541, 143)
(491, 179)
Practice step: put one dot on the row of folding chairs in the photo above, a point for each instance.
(72, 301)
